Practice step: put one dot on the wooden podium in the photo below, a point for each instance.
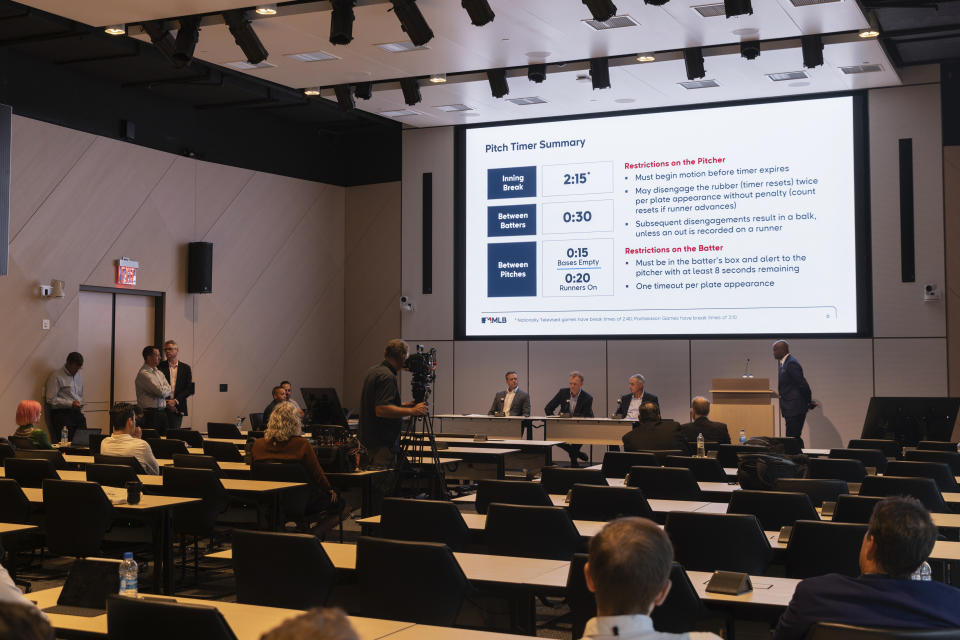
(743, 403)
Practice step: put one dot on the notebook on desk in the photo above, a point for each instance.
(89, 583)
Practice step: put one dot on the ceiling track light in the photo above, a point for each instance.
(656, 3)
(750, 49)
(344, 97)
(479, 11)
(737, 8)
(693, 61)
(267, 9)
(601, 10)
(646, 57)
(160, 37)
(537, 73)
(865, 34)
(363, 90)
(187, 36)
(244, 35)
(812, 48)
(341, 21)
(498, 82)
(412, 21)
(438, 78)
(311, 91)
(600, 73)
(411, 90)
(121, 29)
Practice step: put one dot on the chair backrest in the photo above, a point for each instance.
(616, 464)
(669, 483)
(855, 508)
(127, 461)
(923, 489)
(163, 448)
(562, 479)
(791, 446)
(890, 448)
(773, 509)
(413, 581)
(704, 469)
(582, 603)
(510, 492)
(711, 541)
(259, 556)
(112, 475)
(6, 451)
(195, 518)
(837, 631)
(23, 443)
(869, 457)
(819, 489)
(592, 502)
(817, 548)
(939, 471)
(14, 504)
(256, 421)
(679, 612)
(836, 468)
(76, 517)
(729, 454)
(531, 532)
(294, 501)
(29, 472)
(157, 619)
(149, 433)
(225, 430)
(191, 437)
(56, 457)
(193, 461)
(937, 445)
(222, 451)
(424, 521)
(951, 458)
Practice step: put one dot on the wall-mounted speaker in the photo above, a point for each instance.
(200, 267)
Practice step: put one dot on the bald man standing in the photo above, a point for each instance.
(795, 395)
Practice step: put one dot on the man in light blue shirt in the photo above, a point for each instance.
(64, 397)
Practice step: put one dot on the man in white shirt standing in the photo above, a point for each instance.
(154, 394)
(64, 395)
(125, 439)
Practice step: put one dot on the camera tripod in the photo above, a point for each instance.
(420, 462)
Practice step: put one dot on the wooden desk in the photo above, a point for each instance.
(942, 549)
(478, 522)
(603, 431)
(472, 424)
(429, 632)
(533, 454)
(656, 504)
(767, 591)
(495, 456)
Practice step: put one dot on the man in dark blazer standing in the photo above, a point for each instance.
(700, 423)
(795, 395)
(652, 433)
(629, 405)
(180, 377)
(576, 403)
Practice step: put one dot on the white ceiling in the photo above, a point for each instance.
(523, 32)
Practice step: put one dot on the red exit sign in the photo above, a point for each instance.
(127, 272)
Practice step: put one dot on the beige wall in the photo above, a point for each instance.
(951, 218)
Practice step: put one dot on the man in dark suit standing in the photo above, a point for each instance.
(576, 403)
(629, 405)
(513, 402)
(795, 395)
(652, 433)
(700, 423)
(180, 377)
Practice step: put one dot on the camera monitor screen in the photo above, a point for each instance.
(323, 406)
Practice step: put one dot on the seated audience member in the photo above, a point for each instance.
(629, 573)
(572, 401)
(283, 442)
(700, 423)
(279, 395)
(125, 438)
(28, 414)
(899, 538)
(653, 434)
(288, 390)
(23, 620)
(315, 624)
(629, 404)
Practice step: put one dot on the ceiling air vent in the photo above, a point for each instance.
(399, 113)
(454, 107)
(810, 3)
(313, 56)
(400, 47)
(613, 23)
(861, 68)
(700, 84)
(787, 75)
(243, 65)
(711, 10)
(525, 101)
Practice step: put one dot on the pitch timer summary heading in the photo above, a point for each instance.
(533, 146)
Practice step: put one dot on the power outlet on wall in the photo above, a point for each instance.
(223, 388)
(45, 324)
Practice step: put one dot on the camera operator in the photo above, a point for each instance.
(381, 411)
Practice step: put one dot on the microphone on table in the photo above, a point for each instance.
(746, 369)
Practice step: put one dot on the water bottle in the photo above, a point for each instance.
(701, 449)
(128, 575)
(923, 572)
(64, 437)
(743, 437)
(239, 421)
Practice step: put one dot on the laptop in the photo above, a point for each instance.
(81, 437)
(89, 583)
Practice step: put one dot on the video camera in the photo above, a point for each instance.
(422, 367)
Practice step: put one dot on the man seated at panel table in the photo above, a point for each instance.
(279, 395)
(700, 423)
(513, 402)
(125, 439)
(629, 405)
(572, 401)
(652, 433)
(629, 573)
(899, 538)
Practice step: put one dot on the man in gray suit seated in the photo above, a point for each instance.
(513, 402)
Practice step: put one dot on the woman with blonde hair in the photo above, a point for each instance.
(283, 441)
(28, 414)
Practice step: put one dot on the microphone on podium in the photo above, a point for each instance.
(746, 369)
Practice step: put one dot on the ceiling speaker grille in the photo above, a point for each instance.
(613, 23)
(710, 10)
(700, 84)
(809, 3)
(787, 75)
(861, 68)
(526, 101)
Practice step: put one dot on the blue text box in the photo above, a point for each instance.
(512, 220)
(511, 269)
(511, 182)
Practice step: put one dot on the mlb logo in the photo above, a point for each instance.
(483, 321)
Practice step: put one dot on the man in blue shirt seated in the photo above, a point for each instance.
(899, 538)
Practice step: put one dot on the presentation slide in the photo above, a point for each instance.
(727, 220)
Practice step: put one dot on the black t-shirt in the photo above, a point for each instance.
(380, 387)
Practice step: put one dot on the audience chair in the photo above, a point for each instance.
(855, 508)
(837, 631)
(126, 461)
(56, 457)
(260, 556)
(6, 451)
(729, 454)
(424, 521)
(869, 457)
(222, 451)
(923, 489)
(417, 582)
(147, 433)
(164, 449)
(704, 469)
(939, 471)
(951, 458)
(592, 502)
(891, 449)
(791, 446)
(196, 519)
(582, 602)
(817, 548)
(937, 445)
(773, 509)
(616, 464)
(223, 430)
(76, 517)
(562, 479)
(96, 439)
(14, 505)
(531, 532)
(256, 421)
(29, 472)
(510, 492)
(23, 443)
(192, 461)
(668, 483)
(712, 541)
(111, 475)
(295, 503)
(836, 469)
(193, 438)
(156, 619)
(818, 489)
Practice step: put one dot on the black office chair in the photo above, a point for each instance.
(259, 556)
(424, 521)
(126, 461)
(662, 454)
(729, 454)
(837, 631)
(683, 608)
(147, 433)
(818, 489)
(111, 475)
(582, 603)
(23, 443)
(256, 422)
(56, 457)
(816, 548)
(193, 438)
(196, 519)
(225, 430)
(156, 619)
(704, 469)
(937, 445)
(592, 502)
(29, 472)
(951, 458)
(192, 461)
(222, 451)
(855, 508)
(939, 471)
(531, 532)
(836, 469)
(890, 448)
(165, 449)
(724, 541)
(510, 492)
(923, 489)
(869, 457)
(296, 503)
(561, 479)
(6, 451)
(417, 582)
(791, 446)
(77, 515)
(668, 483)
(14, 505)
(616, 464)
(773, 509)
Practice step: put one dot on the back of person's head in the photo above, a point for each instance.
(649, 412)
(395, 349)
(75, 358)
(629, 566)
(904, 535)
(23, 622)
(119, 414)
(28, 412)
(284, 423)
(315, 624)
(700, 406)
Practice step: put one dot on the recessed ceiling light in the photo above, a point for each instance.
(116, 29)
(625, 100)
(527, 101)
(869, 33)
(312, 91)
(787, 75)
(700, 84)
(438, 78)
(645, 57)
(400, 47)
(267, 9)
(312, 56)
(454, 107)
(399, 113)
(243, 65)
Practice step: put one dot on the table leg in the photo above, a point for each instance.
(168, 580)
(366, 493)
(157, 535)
